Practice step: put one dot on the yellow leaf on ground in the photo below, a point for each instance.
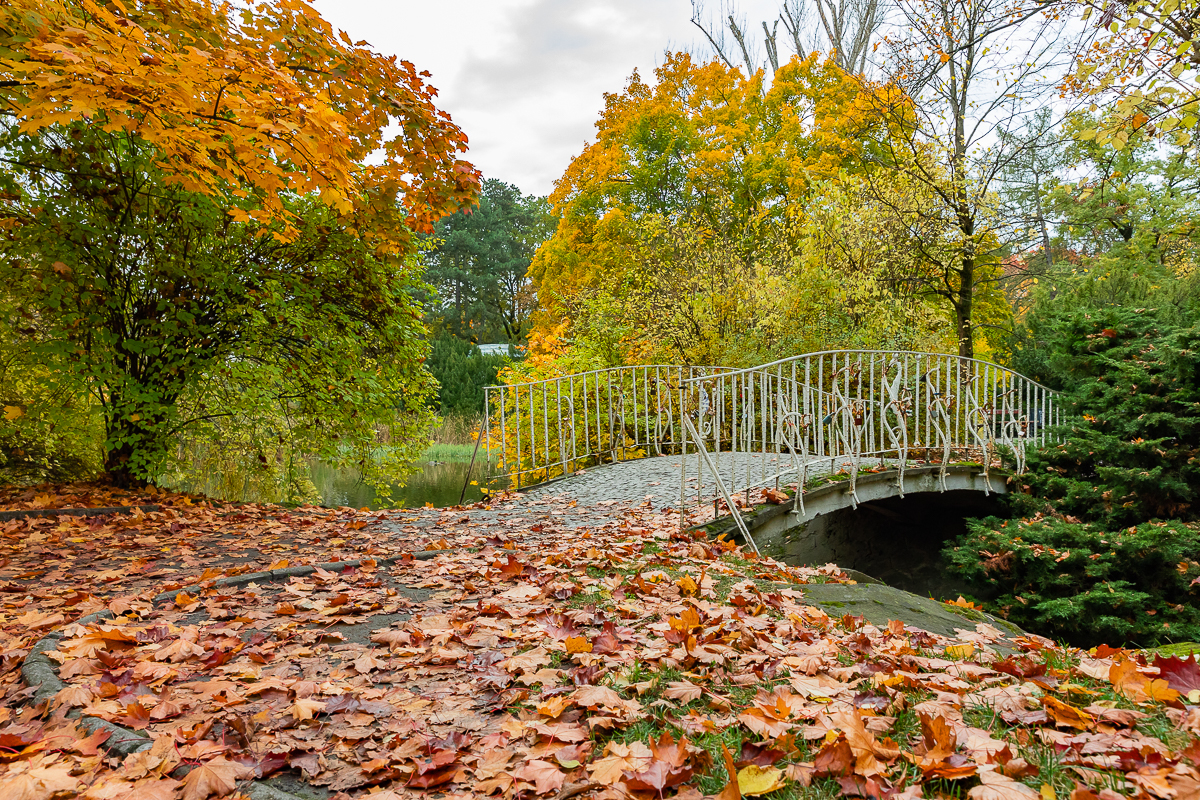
(960, 651)
(755, 780)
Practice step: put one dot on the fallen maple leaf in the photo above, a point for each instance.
(1065, 714)
(39, 783)
(545, 777)
(215, 778)
(684, 691)
(578, 644)
(304, 708)
(1181, 674)
(994, 786)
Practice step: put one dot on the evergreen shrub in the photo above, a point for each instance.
(1108, 547)
(1079, 583)
(461, 372)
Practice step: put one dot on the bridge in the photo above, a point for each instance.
(719, 442)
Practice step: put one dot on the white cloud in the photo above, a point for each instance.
(524, 78)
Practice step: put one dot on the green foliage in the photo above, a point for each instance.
(1108, 547)
(1136, 203)
(1080, 583)
(461, 372)
(45, 435)
(1131, 450)
(188, 328)
(477, 261)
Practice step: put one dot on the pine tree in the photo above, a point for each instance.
(1131, 451)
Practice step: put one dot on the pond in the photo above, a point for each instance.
(439, 483)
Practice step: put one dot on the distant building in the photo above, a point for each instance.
(494, 349)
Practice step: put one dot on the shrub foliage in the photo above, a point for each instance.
(1109, 546)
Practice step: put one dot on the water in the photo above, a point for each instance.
(439, 483)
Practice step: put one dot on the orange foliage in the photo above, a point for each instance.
(260, 100)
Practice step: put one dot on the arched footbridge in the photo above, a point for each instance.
(717, 442)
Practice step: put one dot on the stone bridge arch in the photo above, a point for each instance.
(888, 535)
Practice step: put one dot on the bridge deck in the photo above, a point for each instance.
(657, 478)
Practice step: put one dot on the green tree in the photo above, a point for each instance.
(1107, 549)
(1137, 203)
(216, 226)
(461, 372)
(479, 262)
(158, 303)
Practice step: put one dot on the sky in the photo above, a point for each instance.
(525, 79)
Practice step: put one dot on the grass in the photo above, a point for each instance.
(452, 453)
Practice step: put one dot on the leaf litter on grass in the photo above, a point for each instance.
(620, 660)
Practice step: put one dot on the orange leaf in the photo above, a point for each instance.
(578, 644)
(1064, 714)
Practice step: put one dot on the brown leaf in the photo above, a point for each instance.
(835, 758)
(684, 691)
(216, 778)
(545, 777)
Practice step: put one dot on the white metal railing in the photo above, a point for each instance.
(831, 410)
(541, 430)
(771, 424)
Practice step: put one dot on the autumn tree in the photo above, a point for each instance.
(686, 226)
(971, 69)
(197, 230)
(1139, 63)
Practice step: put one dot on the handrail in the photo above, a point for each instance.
(781, 361)
(820, 406)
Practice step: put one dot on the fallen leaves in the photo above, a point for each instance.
(216, 778)
(546, 665)
(753, 781)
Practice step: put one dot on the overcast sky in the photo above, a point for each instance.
(525, 78)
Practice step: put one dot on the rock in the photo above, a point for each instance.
(880, 604)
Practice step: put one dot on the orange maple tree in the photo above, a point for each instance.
(257, 100)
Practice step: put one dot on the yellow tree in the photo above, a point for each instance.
(704, 146)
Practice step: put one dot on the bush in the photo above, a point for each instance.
(1093, 560)
(1131, 448)
(1079, 583)
(462, 372)
(34, 450)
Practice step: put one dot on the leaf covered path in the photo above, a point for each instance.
(551, 651)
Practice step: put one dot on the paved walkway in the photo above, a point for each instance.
(657, 479)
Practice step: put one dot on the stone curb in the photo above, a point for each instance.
(72, 512)
(38, 672)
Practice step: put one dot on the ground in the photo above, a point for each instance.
(542, 645)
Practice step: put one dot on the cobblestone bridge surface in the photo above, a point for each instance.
(601, 495)
(657, 479)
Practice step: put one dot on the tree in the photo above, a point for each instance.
(461, 372)
(479, 263)
(704, 144)
(1135, 203)
(849, 27)
(193, 213)
(1104, 538)
(969, 68)
(1144, 55)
